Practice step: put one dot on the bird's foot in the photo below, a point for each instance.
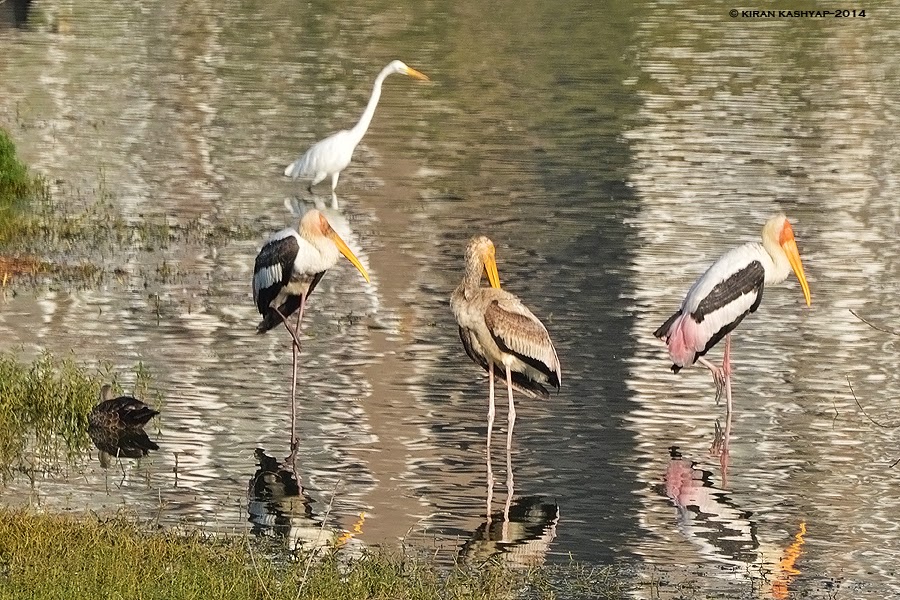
(719, 380)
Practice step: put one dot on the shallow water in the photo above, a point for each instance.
(610, 154)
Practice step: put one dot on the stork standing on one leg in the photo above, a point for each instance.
(727, 292)
(287, 270)
(500, 333)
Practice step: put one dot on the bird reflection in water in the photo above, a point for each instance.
(279, 507)
(116, 426)
(724, 533)
(520, 536)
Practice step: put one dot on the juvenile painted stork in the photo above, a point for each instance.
(331, 155)
(500, 333)
(287, 270)
(726, 293)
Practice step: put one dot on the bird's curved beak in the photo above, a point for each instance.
(346, 251)
(490, 265)
(416, 74)
(793, 256)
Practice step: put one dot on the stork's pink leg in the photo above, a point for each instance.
(725, 450)
(510, 490)
(288, 327)
(490, 427)
(509, 434)
(718, 376)
(726, 369)
(512, 410)
(295, 351)
(721, 375)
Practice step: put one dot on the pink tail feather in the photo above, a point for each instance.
(682, 340)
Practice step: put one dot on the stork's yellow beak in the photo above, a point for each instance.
(793, 256)
(416, 74)
(490, 265)
(346, 251)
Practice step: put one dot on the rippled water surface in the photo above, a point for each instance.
(610, 153)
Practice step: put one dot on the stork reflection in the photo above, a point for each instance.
(279, 507)
(708, 516)
(520, 535)
(721, 446)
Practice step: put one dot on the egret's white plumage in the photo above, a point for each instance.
(727, 292)
(331, 155)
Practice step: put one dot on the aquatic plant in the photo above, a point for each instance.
(17, 187)
(44, 408)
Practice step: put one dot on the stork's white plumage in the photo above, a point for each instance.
(290, 265)
(287, 269)
(727, 292)
(331, 155)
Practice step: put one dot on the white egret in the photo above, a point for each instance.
(332, 155)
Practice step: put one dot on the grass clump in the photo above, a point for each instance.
(17, 189)
(63, 557)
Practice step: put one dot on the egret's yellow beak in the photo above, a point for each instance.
(346, 251)
(416, 74)
(793, 256)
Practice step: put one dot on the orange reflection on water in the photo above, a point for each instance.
(786, 568)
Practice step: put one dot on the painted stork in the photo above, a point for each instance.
(726, 293)
(331, 155)
(500, 333)
(287, 270)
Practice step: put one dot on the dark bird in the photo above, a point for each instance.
(116, 426)
(123, 412)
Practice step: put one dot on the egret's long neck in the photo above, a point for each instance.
(359, 130)
(780, 267)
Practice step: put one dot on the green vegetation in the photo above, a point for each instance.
(17, 188)
(43, 411)
(52, 556)
(42, 238)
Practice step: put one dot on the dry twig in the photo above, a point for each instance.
(872, 325)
